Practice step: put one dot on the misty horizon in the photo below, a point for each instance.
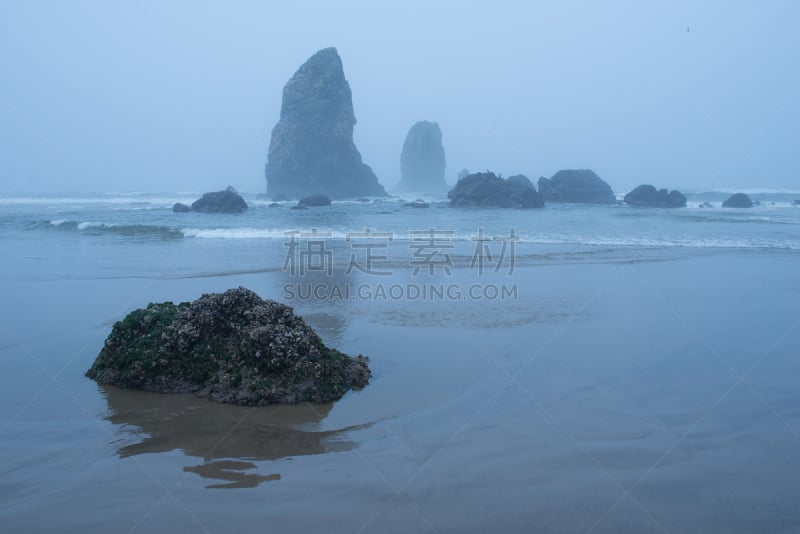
(156, 97)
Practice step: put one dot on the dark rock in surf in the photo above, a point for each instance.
(487, 190)
(180, 207)
(581, 186)
(416, 204)
(312, 149)
(738, 200)
(522, 180)
(230, 347)
(422, 161)
(313, 201)
(647, 196)
(227, 201)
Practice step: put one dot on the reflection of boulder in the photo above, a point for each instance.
(487, 190)
(647, 196)
(738, 200)
(230, 347)
(231, 471)
(579, 186)
(212, 431)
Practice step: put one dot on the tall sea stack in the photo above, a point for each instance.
(422, 162)
(312, 150)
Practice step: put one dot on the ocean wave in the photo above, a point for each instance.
(751, 219)
(129, 230)
(649, 242)
(525, 239)
(132, 202)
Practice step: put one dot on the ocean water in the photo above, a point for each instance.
(570, 369)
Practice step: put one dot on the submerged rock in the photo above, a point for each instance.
(227, 201)
(422, 161)
(313, 201)
(231, 347)
(487, 190)
(180, 207)
(738, 200)
(312, 149)
(580, 186)
(648, 196)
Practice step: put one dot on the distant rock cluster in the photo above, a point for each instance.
(578, 186)
(647, 196)
(487, 190)
(312, 152)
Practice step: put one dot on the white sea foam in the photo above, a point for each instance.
(259, 233)
(550, 239)
(92, 224)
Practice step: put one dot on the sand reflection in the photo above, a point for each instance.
(228, 439)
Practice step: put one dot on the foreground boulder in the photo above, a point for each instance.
(581, 186)
(422, 162)
(312, 147)
(227, 201)
(487, 190)
(647, 196)
(231, 347)
(313, 201)
(738, 200)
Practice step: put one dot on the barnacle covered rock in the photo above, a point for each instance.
(232, 347)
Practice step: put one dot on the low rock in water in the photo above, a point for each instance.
(231, 347)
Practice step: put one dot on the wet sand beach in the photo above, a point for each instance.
(621, 391)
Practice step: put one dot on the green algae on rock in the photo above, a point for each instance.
(231, 347)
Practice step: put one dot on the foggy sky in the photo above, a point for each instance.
(182, 96)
